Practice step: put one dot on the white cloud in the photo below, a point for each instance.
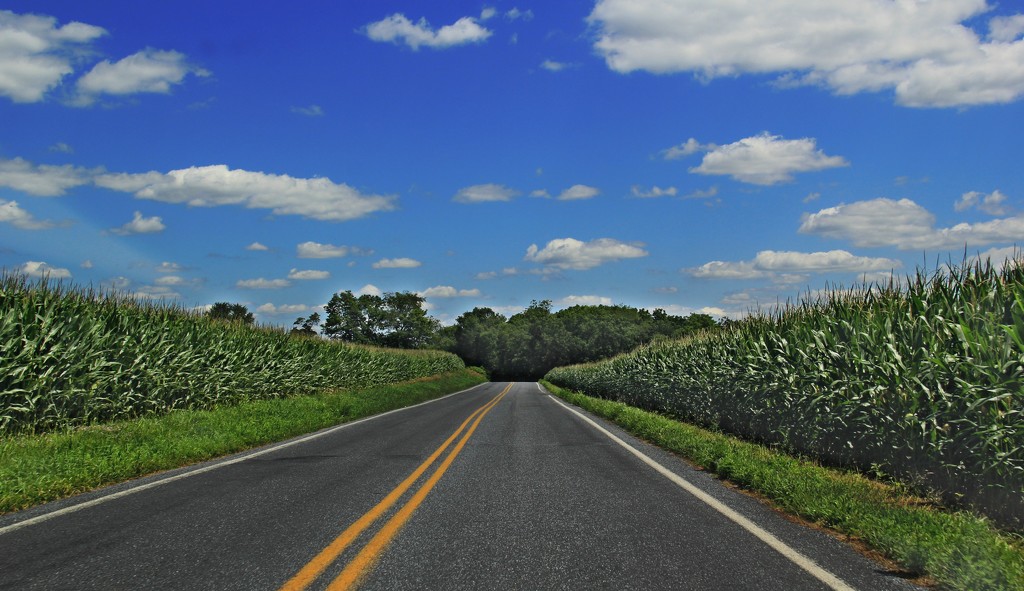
(399, 263)
(316, 250)
(708, 193)
(485, 275)
(308, 275)
(41, 269)
(310, 111)
(583, 300)
(271, 309)
(369, 289)
(36, 54)
(922, 51)
(256, 246)
(169, 267)
(515, 14)
(766, 159)
(579, 192)
(992, 203)
(86, 264)
(262, 283)
(149, 70)
(175, 281)
(42, 180)
(727, 270)
(553, 66)
(569, 253)
(905, 225)
(156, 292)
(690, 146)
(399, 29)
(447, 291)
(12, 214)
(778, 264)
(482, 193)
(209, 186)
(999, 257)
(654, 192)
(140, 225)
(62, 147)
(540, 193)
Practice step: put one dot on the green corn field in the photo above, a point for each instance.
(920, 380)
(70, 357)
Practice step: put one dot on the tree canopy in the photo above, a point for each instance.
(230, 313)
(395, 319)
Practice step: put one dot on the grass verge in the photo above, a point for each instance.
(39, 468)
(959, 550)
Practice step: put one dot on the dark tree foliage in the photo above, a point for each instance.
(231, 313)
(395, 319)
(529, 344)
(306, 326)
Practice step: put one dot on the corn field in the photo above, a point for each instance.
(70, 357)
(920, 382)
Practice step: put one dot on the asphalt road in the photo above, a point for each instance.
(498, 487)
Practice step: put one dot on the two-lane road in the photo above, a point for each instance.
(498, 487)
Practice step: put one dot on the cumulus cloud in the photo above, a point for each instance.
(150, 71)
(569, 253)
(36, 54)
(447, 291)
(922, 51)
(993, 203)
(271, 309)
(483, 193)
(42, 180)
(766, 159)
(690, 146)
(654, 192)
(583, 300)
(369, 289)
(514, 14)
(41, 269)
(397, 28)
(398, 263)
(12, 214)
(773, 264)
(308, 274)
(905, 225)
(140, 225)
(256, 246)
(176, 281)
(316, 250)
(262, 283)
(553, 66)
(576, 192)
(210, 186)
(169, 267)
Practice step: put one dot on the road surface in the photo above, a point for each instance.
(498, 487)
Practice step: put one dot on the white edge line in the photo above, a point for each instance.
(778, 545)
(274, 447)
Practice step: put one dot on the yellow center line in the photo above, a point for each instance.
(322, 560)
(368, 556)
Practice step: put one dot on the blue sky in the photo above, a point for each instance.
(689, 155)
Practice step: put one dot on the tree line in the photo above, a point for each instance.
(524, 346)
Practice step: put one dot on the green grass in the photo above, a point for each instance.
(39, 468)
(957, 549)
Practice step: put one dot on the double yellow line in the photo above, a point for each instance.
(368, 556)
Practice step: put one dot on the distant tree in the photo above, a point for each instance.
(396, 319)
(306, 326)
(230, 313)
